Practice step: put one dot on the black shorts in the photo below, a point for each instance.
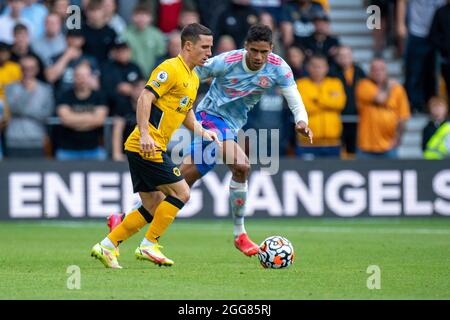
(147, 175)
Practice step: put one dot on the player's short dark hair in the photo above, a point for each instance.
(192, 33)
(259, 32)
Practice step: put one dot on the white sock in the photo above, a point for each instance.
(238, 229)
(145, 243)
(107, 243)
(238, 196)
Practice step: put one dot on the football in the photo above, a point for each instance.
(276, 252)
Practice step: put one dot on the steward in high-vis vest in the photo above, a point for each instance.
(438, 147)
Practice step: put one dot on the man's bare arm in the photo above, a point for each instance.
(143, 111)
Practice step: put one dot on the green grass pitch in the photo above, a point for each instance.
(332, 257)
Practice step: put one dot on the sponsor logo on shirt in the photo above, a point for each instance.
(185, 105)
(184, 101)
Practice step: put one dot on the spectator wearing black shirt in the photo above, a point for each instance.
(349, 73)
(119, 73)
(438, 109)
(320, 42)
(440, 37)
(22, 48)
(82, 112)
(125, 119)
(297, 20)
(99, 37)
(204, 9)
(237, 17)
(414, 22)
(272, 7)
(61, 69)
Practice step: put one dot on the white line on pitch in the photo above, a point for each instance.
(277, 228)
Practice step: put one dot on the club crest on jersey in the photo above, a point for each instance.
(264, 82)
(162, 76)
(176, 172)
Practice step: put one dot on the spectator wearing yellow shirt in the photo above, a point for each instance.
(383, 110)
(324, 98)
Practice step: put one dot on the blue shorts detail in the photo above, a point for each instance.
(204, 152)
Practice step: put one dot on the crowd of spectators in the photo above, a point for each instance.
(85, 76)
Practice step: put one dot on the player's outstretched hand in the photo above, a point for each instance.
(302, 128)
(211, 136)
(148, 145)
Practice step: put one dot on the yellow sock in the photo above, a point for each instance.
(164, 215)
(132, 223)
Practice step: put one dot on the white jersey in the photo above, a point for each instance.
(236, 89)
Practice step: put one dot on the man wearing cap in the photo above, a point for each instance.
(99, 37)
(296, 21)
(119, 73)
(320, 42)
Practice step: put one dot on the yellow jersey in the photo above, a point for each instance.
(324, 103)
(175, 87)
(377, 125)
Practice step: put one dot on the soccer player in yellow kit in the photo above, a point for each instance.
(165, 104)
